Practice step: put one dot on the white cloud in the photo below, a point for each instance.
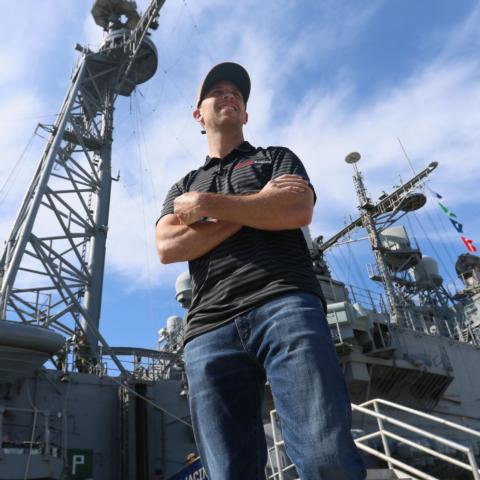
(131, 243)
(432, 110)
(428, 111)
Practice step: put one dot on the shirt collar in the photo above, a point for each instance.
(244, 147)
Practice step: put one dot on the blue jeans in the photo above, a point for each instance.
(287, 342)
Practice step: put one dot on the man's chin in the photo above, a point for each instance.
(229, 122)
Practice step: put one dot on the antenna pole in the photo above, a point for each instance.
(368, 221)
(51, 272)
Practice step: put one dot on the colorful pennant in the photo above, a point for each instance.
(468, 242)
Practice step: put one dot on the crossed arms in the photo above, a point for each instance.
(285, 202)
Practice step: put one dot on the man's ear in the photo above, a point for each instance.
(197, 116)
(246, 118)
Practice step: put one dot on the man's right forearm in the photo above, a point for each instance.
(179, 243)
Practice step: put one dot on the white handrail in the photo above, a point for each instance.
(409, 427)
(276, 443)
(395, 462)
(422, 414)
(427, 450)
(471, 466)
(384, 434)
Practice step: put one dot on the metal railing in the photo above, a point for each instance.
(385, 434)
(368, 298)
(335, 329)
(47, 435)
(279, 463)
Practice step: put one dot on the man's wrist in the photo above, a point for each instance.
(221, 206)
(204, 204)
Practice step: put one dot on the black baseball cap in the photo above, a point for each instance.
(233, 72)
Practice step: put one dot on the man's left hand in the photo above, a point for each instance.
(187, 207)
(293, 183)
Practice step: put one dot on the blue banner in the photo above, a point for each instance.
(194, 471)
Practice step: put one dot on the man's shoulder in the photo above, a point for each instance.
(186, 179)
(279, 152)
(273, 151)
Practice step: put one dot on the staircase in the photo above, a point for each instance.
(372, 474)
(424, 447)
(387, 474)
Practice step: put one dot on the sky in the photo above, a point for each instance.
(328, 77)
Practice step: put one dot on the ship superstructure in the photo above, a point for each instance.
(416, 350)
(119, 412)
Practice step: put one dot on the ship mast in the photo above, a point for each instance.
(52, 268)
(368, 222)
(376, 217)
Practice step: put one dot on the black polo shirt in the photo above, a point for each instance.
(253, 265)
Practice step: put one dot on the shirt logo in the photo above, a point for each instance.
(253, 162)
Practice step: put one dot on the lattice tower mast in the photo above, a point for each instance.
(368, 222)
(51, 271)
(376, 217)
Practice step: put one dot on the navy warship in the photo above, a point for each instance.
(74, 407)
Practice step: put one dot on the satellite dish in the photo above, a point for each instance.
(109, 12)
(413, 202)
(353, 157)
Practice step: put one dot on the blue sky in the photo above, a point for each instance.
(328, 77)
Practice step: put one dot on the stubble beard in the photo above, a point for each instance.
(227, 124)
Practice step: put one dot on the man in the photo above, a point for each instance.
(257, 311)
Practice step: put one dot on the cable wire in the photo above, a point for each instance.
(146, 399)
(141, 156)
(432, 223)
(432, 246)
(152, 403)
(195, 26)
(348, 266)
(141, 132)
(32, 437)
(361, 276)
(9, 181)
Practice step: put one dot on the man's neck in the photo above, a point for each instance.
(221, 144)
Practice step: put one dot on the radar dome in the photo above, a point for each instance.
(426, 273)
(173, 324)
(183, 287)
